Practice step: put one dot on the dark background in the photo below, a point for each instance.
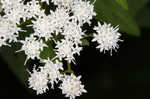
(125, 74)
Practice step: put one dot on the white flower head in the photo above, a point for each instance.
(14, 9)
(42, 27)
(52, 70)
(71, 86)
(58, 19)
(107, 37)
(66, 49)
(9, 5)
(38, 81)
(73, 32)
(83, 11)
(32, 47)
(8, 31)
(33, 9)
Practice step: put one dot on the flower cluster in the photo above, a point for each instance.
(49, 73)
(60, 26)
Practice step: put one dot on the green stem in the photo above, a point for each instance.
(88, 35)
(69, 66)
(69, 70)
(40, 3)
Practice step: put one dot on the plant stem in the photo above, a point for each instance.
(69, 70)
(88, 35)
(69, 66)
(40, 3)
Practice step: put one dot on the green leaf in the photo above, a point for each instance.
(85, 42)
(140, 9)
(123, 3)
(143, 17)
(48, 52)
(110, 12)
(136, 5)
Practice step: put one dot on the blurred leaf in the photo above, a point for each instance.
(123, 3)
(85, 42)
(141, 10)
(136, 5)
(15, 61)
(48, 52)
(143, 17)
(111, 12)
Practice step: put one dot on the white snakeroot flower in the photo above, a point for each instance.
(107, 37)
(42, 27)
(71, 86)
(9, 5)
(83, 11)
(38, 81)
(73, 32)
(66, 49)
(52, 70)
(32, 47)
(58, 19)
(15, 9)
(8, 31)
(33, 9)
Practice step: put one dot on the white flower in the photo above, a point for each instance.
(8, 31)
(33, 9)
(83, 11)
(58, 19)
(8, 5)
(32, 47)
(49, 73)
(73, 32)
(14, 9)
(38, 81)
(107, 37)
(66, 49)
(42, 27)
(71, 86)
(53, 71)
